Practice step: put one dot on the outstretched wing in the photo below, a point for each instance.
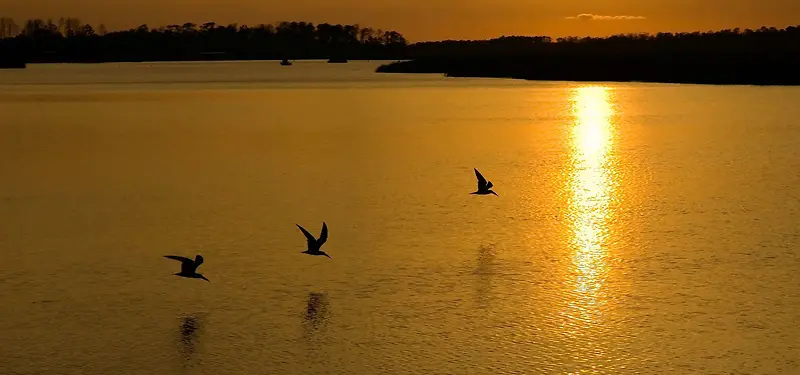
(312, 242)
(178, 258)
(187, 265)
(481, 180)
(323, 236)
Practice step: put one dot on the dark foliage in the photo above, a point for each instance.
(71, 41)
(763, 56)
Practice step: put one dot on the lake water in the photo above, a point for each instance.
(639, 228)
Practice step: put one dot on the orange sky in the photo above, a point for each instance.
(432, 19)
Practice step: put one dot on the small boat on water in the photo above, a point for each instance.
(285, 62)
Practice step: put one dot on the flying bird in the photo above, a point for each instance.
(189, 267)
(313, 243)
(484, 187)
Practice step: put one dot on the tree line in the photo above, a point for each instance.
(35, 27)
(69, 40)
(768, 50)
(764, 39)
(763, 56)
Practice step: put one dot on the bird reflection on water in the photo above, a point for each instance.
(483, 272)
(315, 320)
(190, 325)
(316, 311)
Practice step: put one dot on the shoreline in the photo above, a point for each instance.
(712, 71)
(761, 72)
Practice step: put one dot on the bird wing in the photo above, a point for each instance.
(311, 240)
(187, 265)
(323, 236)
(178, 258)
(481, 180)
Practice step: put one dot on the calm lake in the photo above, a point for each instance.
(639, 228)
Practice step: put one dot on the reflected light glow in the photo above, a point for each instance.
(591, 185)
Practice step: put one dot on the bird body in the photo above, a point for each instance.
(189, 266)
(484, 187)
(314, 244)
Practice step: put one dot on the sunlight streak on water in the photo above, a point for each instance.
(591, 187)
(590, 190)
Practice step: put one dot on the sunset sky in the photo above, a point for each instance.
(432, 19)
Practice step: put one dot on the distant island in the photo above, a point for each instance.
(70, 41)
(766, 56)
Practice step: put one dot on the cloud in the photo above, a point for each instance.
(595, 17)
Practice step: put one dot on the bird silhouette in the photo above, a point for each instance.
(484, 187)
(313, 243)
(189, 267)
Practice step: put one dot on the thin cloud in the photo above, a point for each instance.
(596, 17)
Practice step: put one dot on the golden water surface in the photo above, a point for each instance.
(639, 228)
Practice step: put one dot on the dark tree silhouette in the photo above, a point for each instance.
(72, 41)
(763, 56)
(8, 29)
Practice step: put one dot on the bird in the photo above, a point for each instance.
(189, 267)
(313, 243)
(484, 187)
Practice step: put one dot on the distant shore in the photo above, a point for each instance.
(695, 69)
(765, 56)
(71, 41)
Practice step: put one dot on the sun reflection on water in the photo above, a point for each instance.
(591, 185)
